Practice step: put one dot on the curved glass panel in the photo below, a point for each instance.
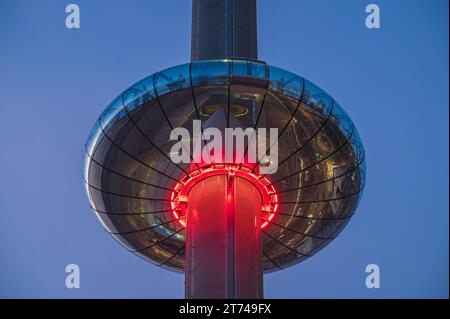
(210, 72)
(94, 135)
(249, 69)
(357, 145)
(172, 79)
(139, 93)
(341, 118)
(317, 99)
(362, 175)
(112, 111)
(285, 82)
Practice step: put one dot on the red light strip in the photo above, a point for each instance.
(178, 197)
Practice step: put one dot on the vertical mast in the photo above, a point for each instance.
(223, 29)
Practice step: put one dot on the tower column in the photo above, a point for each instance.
(223, 29)
(223, 246)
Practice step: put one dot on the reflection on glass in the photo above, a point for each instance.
(285, 82)
(249, 69)
(139, 93)
(172, 79)
(210, 72)
(111, 111)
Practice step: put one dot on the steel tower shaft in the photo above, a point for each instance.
(223, 29)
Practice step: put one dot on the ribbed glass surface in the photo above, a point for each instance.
(129, 175)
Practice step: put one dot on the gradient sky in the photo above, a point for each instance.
(55, 82)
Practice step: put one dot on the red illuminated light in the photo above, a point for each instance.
(179, 195)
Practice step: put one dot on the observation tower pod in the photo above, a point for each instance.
(224, 223)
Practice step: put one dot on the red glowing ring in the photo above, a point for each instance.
(178, 197)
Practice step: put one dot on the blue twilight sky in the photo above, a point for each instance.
(55, 82)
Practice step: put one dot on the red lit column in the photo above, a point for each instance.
(223, 247)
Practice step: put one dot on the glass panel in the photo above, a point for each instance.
(210, 99)
(240, 68)
(86, 162)
(357, 145)
(139, 93)
(340, 118)
(362, 180)
(246, 104)
(172, 79)
(94, 135)
(258, 70)
(124, 182)
(249, 69)
(362, 175)
(285, 82)
(317, 99)
(112, 113)
(210, 72)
